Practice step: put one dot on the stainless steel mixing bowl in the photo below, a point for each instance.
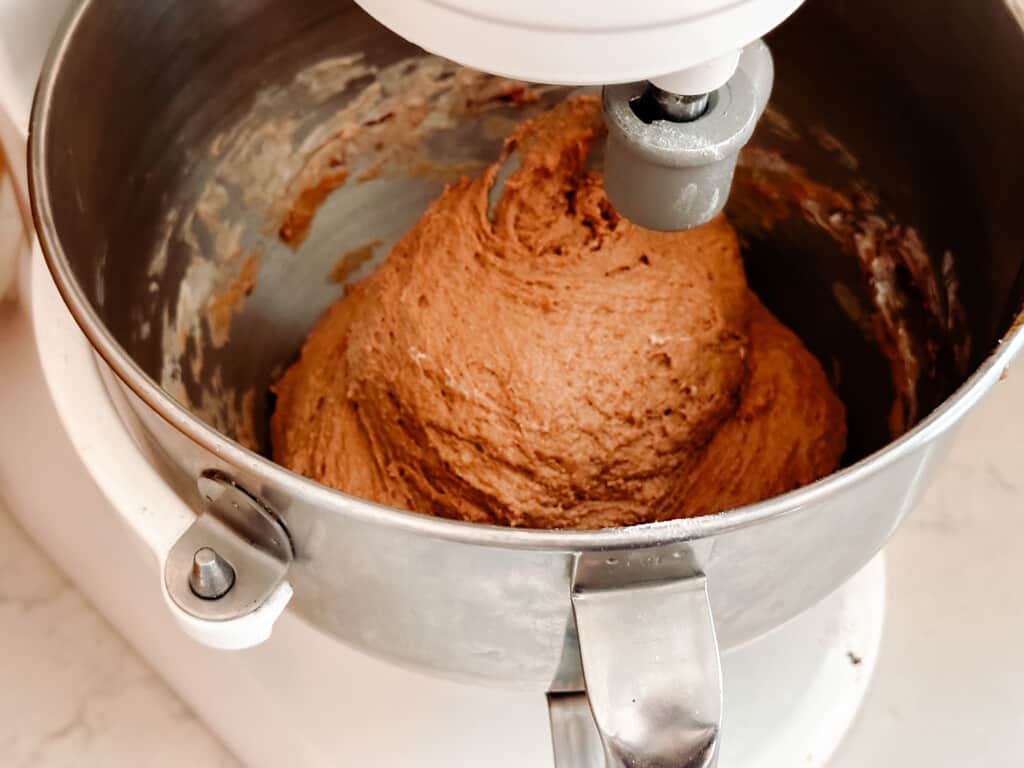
(931, 101)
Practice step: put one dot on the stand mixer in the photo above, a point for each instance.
(674, 136)
(588, 618)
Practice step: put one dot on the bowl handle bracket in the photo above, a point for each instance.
(650, 664)
(225, 578)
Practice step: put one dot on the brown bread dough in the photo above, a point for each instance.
(553, 365)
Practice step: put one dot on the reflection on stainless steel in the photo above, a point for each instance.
(488, 604)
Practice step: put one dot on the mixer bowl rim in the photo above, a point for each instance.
(234, 454)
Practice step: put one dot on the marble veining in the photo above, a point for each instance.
(72, 692)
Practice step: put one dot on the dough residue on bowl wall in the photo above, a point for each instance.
(223, 304)
(258, 184)
(768, 190)
(352, 261)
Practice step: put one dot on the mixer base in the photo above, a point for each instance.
(791, 696)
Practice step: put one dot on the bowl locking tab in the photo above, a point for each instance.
(232, 558)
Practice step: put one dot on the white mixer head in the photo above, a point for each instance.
(698, 76)
(683, 46)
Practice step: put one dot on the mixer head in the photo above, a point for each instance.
(684, 85)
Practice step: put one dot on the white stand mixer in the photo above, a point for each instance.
(828, 653)
(341, 705)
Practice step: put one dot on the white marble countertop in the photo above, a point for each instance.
(72, 693)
